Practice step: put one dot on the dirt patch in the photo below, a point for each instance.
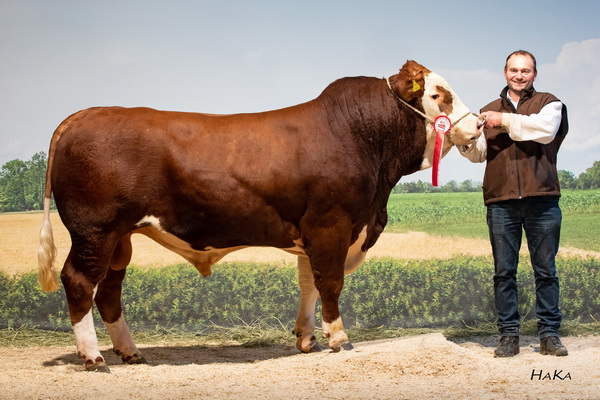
(419, 367)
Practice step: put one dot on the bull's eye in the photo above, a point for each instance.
(435, 96)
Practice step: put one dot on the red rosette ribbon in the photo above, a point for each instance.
(442, 126)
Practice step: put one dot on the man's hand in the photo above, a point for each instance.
(492, 119)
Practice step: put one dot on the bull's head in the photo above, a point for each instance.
(437, 98)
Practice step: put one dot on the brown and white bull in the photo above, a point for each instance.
(311, 179)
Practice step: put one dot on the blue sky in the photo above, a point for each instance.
(58, 57)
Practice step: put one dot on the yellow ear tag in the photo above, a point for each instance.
(416, 86)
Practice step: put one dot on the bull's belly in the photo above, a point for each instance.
(204, 259)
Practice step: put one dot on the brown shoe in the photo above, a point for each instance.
(507, 347)
(552, 346)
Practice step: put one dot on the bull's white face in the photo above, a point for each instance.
(440, 99)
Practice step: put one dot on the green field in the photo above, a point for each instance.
(463, 215)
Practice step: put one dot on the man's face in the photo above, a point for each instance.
(519, 73)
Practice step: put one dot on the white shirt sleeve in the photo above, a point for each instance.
(475, 152)
(540, 127)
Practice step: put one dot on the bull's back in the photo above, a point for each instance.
(130, 134)
(134, 145)
(123, 164)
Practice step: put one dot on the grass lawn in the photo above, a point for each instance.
(463, 215)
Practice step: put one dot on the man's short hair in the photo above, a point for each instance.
(522, 53)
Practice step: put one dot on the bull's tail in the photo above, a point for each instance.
(47, 251)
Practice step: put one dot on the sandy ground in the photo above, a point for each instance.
(420, 367)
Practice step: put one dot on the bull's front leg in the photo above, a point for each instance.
(333, 328)
(327, 247)
(305, 321)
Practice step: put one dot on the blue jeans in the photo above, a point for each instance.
(541, 218)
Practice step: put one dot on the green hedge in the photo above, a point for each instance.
(382, 292)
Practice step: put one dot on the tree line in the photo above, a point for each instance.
(22, 183)
(590, 179)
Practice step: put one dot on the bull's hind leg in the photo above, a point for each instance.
(108, 301)
(305, 322)
(81, 274)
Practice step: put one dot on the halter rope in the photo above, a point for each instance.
(440, 133)
(422, 114)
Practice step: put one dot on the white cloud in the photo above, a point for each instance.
(576, 54)
(575, 79)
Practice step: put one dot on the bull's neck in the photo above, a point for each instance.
(392, 135)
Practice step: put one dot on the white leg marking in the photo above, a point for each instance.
(121, 337)
(305, 322)
(85, 338)
(335, 332)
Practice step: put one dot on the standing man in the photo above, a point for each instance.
(522, 134)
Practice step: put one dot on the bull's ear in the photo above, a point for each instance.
(410, 81)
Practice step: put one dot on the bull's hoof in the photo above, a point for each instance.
(97, 367)
(342, 346)
(312, 347)
(134, 359)
(315, 347)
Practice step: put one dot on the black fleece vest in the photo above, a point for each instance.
(515, 170)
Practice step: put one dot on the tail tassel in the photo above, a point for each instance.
(47, 253)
